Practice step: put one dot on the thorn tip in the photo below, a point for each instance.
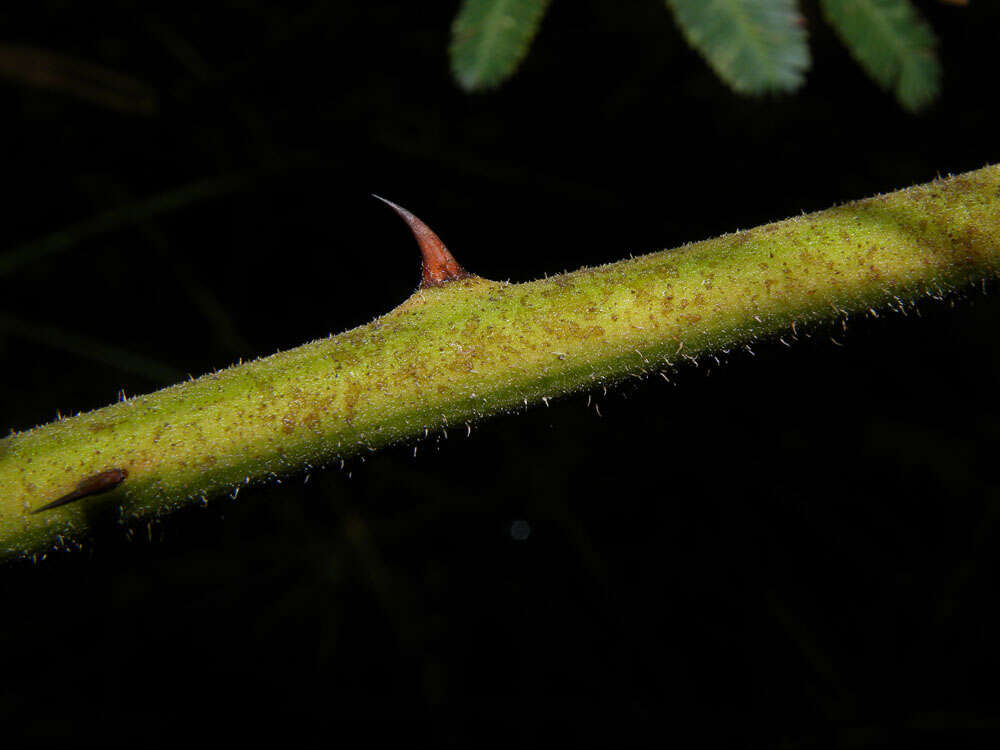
(439, 265)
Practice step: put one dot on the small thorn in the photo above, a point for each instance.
(439, 266)
(96, 484)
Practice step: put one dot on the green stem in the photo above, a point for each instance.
(473, 348)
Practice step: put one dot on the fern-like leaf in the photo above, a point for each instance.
(489, 38)
(755, 46)
(892, 43)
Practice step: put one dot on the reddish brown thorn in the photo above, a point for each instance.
(96, 484)
(440, 266)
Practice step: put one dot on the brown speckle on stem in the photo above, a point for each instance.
(440, 266)
(96, 484)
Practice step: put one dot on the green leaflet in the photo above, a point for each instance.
(753, 45)
(489, 38)
(892, 43)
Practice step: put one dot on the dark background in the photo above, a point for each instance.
(795, 549)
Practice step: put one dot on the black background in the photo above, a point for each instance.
(794, 549)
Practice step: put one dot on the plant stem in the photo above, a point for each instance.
(473, 348)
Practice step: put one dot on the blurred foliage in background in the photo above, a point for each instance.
(755, 46)
(798, 548)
